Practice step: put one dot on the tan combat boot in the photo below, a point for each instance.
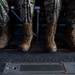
(71, 38)
(28, 35)
(5, 36)
(50, 36)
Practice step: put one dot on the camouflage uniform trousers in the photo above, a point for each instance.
(26, 8)
(53, 8)
(4, 9)
(70, 18)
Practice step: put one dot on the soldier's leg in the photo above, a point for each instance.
(27, 10)
(71, 24)
(4, 18)
(52, 8)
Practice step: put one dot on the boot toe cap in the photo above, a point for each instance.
(24, 47)
(51, 48)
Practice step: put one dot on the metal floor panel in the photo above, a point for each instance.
(34, 68)
(36, 57)
(63, 68)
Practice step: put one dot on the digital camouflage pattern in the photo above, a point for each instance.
(26, 10)
(4, 9)
(70, 17)
(52, 7)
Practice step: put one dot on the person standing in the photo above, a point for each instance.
(27, 10)
(53, 8)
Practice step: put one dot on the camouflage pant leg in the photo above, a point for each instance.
(71, 13)
(52, 8)
(26, 10)
(4, 9)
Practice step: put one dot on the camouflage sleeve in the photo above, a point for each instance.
(4, 9)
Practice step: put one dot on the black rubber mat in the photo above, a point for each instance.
(41, 67)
